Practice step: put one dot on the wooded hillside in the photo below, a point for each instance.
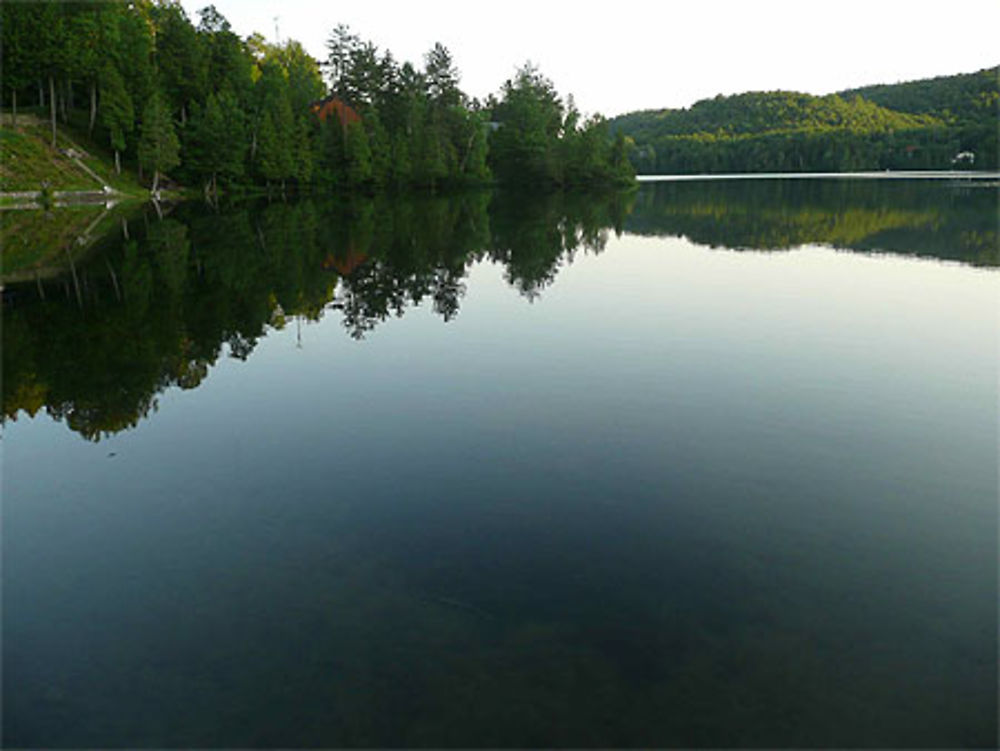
(201, 105)
(916, 125)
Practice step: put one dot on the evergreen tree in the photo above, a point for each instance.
(341, 44)
(46, 24)
(275, 151)
(531, 115)
(180, 58)
(215, 141)
(16, 49)
(117, 113)
(303, 152)
(442, 77)
(380, 147)
(357, 156)
(159, 149)
(132, 53)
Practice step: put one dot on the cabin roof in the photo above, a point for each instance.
(333, 105)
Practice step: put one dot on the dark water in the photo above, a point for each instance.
(711, 465)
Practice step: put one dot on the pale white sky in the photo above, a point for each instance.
(620, 56)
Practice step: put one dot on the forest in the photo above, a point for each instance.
(194, 104)
(923, 124)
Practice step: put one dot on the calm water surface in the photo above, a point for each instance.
(710, 465)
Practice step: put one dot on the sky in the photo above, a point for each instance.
(615, 57)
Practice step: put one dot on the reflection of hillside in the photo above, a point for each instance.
(907, 217)
(42, 244)
(157, 310)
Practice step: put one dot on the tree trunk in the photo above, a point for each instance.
(62, 102)
(13, 111)
(253, 146)
(118, 164)
(93, 107)
(41, 93)
(468, 150)
(52, 108)
(156, 179)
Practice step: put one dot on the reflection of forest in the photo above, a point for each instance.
(159, 308)
(912, 217)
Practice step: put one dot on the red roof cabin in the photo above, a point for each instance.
(324, 108)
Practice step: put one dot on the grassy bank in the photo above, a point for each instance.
(76, 164)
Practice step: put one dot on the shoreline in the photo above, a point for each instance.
(886, 175)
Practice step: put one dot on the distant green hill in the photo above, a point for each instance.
(968, 97)
(765, 112)
(915, 125)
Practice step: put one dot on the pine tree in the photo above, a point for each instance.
(117, 113)
(215, 143)
(303, 158)
(159, 149)
(358, 155)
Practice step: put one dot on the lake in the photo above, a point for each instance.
(712, 464)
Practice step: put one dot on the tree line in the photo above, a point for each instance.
(915, 125)
(200, 103)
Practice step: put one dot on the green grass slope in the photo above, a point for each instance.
(27, 159)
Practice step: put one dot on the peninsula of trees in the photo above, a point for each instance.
(940, 123)
(201, 105)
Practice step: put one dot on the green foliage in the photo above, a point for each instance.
(116, 111)
(214, 142)
(539, 142)
(180, 58)
(243, 109)
(969, 96)
(442, 77)
(228, 63)
(916, 125)
(305, 85)
(159, 149)
(133, 55)
(274, 156)
(17, 50)
(358, 156)
(530, 115)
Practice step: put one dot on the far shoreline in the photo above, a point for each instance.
(884, 175)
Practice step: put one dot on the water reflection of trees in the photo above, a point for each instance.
(940, 219)
(158, 308)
